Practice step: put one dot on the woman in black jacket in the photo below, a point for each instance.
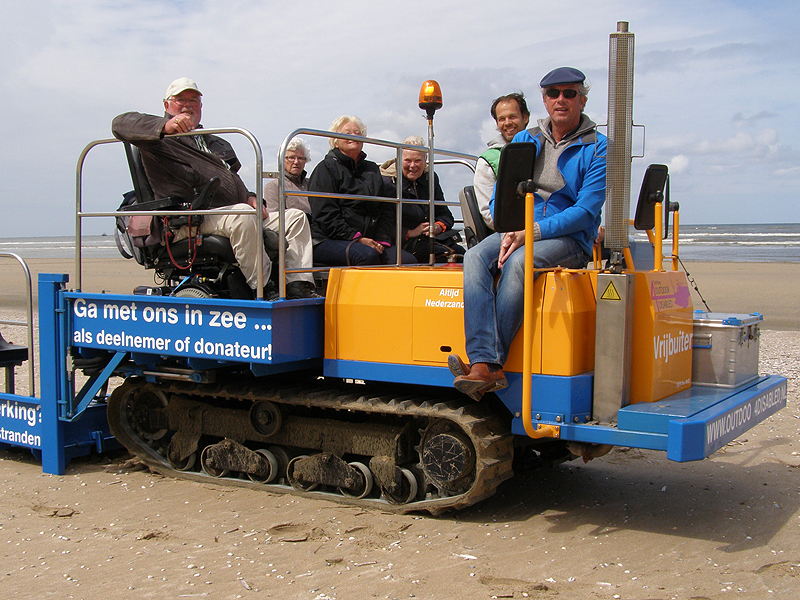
(416, 216)
(348, 231)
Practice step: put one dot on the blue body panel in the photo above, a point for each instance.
(270, 336)
(700, 435)
(389, 373)
(555, 399)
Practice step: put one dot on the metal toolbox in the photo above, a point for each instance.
(725, 348)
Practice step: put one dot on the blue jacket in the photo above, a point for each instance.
(574, 210)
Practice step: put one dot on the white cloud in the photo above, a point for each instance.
(678, 164)
(712, 90)
(788, 171)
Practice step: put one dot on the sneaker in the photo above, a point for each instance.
(301, 289)
(271, 292)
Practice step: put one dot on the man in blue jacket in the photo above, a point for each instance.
(570, 180)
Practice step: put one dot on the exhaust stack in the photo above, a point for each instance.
(615, 290)
(620, 131)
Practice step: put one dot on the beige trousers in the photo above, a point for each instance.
(243, 234)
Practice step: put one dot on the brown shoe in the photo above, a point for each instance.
(480, 380)
(457, 366)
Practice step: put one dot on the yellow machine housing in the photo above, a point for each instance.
(415, 316)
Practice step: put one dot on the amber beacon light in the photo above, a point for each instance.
(430, 97)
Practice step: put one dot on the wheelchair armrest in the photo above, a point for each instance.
(200, 202)
(160, 204)
(203, 200)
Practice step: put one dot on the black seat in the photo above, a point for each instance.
(475, 228)
(205, 258)
(11, 356)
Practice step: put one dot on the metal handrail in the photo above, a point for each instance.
(470, 164)
(399, 147)
(29, 310)
(79, 214)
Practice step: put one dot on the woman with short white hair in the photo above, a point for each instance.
(416, 215)
(297, 156)
(347, 231)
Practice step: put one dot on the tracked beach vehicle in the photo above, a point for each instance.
(349, 397)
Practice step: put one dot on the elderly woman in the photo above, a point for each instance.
(348, 231)
(416, 217)
(297, 155)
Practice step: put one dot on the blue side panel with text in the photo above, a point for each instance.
(20, 422)
(704, 433)
(236, 331)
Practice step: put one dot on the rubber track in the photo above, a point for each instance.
(490, 436)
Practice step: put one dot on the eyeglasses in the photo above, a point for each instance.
(554, 93)
(186, 101)
(296, 158)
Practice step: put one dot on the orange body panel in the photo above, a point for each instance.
(414, 316)
(662, 336)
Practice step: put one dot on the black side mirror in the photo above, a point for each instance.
(655, 188)
(516, 166)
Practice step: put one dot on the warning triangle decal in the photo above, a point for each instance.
(611, 292)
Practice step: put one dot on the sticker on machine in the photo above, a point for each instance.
(172, 326)
(668, 292)
(444, 297)
(734, 422)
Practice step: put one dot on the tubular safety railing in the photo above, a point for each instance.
(467, 160)
(462, 158)
(28, 324)
(79, 214)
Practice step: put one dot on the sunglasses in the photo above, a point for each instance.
(555, 93)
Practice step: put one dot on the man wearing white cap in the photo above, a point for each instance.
(569, 175)
(177, 166)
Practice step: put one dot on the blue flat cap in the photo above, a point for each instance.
(562, 76)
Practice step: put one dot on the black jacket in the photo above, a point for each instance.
(414, 214)
(343, 219)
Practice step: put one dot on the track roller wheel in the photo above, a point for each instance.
(367, 486)
(298, 484)
(284, 458)
(274, 467)
(187, 464)
(265, 418)
(207, 463)
(398, 485)
(406, 491)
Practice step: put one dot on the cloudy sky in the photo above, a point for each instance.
(715, 86)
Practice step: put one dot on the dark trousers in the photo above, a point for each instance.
(334, 253)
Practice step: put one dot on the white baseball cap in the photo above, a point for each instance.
(180, 85)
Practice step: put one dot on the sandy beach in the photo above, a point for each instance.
(631, 525)
(115, 275)
(768, 288)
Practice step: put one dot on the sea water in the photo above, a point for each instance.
(769, 242)
(95, 246)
